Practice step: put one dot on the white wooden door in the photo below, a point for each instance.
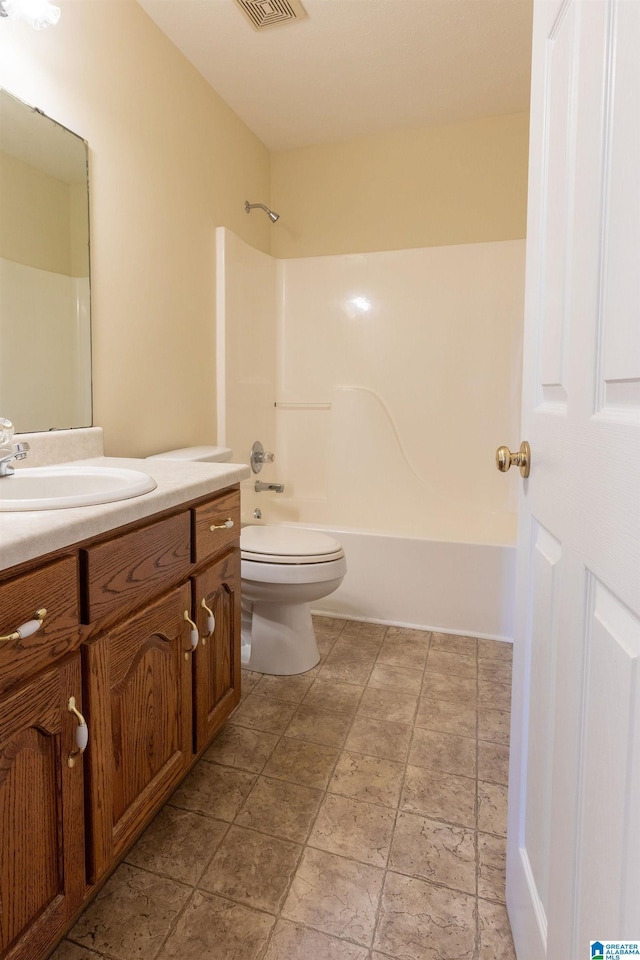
(573, 865)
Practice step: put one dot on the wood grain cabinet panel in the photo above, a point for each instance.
(53, 587)
(210, 534)
(217, 659)
(127, 571)
(42, 875)
(139, 706)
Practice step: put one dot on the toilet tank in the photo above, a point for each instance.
(194, 454)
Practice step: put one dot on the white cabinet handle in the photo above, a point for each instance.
(27, 629)
(222, 526)
(211, 620)
(82, 732)
(194, 636)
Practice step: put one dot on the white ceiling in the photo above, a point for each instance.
(357, 67)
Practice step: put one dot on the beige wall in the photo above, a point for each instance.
(422, 187)
(169, 161)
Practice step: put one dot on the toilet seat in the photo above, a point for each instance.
(287, 545)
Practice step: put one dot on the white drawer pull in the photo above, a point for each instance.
(211, 620)
(222, 526)
(27, 629)
(194, 636)
(82, 732)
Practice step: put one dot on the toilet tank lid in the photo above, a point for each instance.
(205, 454)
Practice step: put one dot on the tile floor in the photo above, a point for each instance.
(356, 812)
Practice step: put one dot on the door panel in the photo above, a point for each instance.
(545, 576)
(609, 744)
(619, 366)
(555, 235)
(573, 863)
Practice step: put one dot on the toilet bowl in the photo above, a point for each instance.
(284, 570)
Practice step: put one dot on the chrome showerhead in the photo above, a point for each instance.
(248, 207)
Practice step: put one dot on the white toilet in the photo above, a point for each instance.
(283, 571)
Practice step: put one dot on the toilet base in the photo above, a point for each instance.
(280, 638)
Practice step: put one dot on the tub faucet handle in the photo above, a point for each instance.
(260, 456)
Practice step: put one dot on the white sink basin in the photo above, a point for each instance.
(51, 488)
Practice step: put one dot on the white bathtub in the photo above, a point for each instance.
(449, 584)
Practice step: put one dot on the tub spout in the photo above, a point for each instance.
(276, 487)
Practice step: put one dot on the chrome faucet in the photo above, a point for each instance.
(276, 487)
(17, 451)
(9, 451)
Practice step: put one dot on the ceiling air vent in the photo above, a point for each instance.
(263, 14)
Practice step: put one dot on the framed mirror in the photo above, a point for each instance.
(45, 318)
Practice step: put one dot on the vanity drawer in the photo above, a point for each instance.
(53, 588)
(129, 570)
(211, 533)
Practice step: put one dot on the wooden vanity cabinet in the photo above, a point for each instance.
(115, 637)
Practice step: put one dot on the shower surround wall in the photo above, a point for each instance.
(396, 374)
(56, 351)
(245, 346)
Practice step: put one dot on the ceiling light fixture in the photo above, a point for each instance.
(37, 13)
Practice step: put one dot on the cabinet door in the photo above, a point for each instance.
(139, 706)
(42, 876)
(217, 658)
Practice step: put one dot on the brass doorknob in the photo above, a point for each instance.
(522, 459)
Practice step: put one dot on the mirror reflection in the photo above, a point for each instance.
(45, 338)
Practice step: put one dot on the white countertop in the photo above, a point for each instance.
(25, 535)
